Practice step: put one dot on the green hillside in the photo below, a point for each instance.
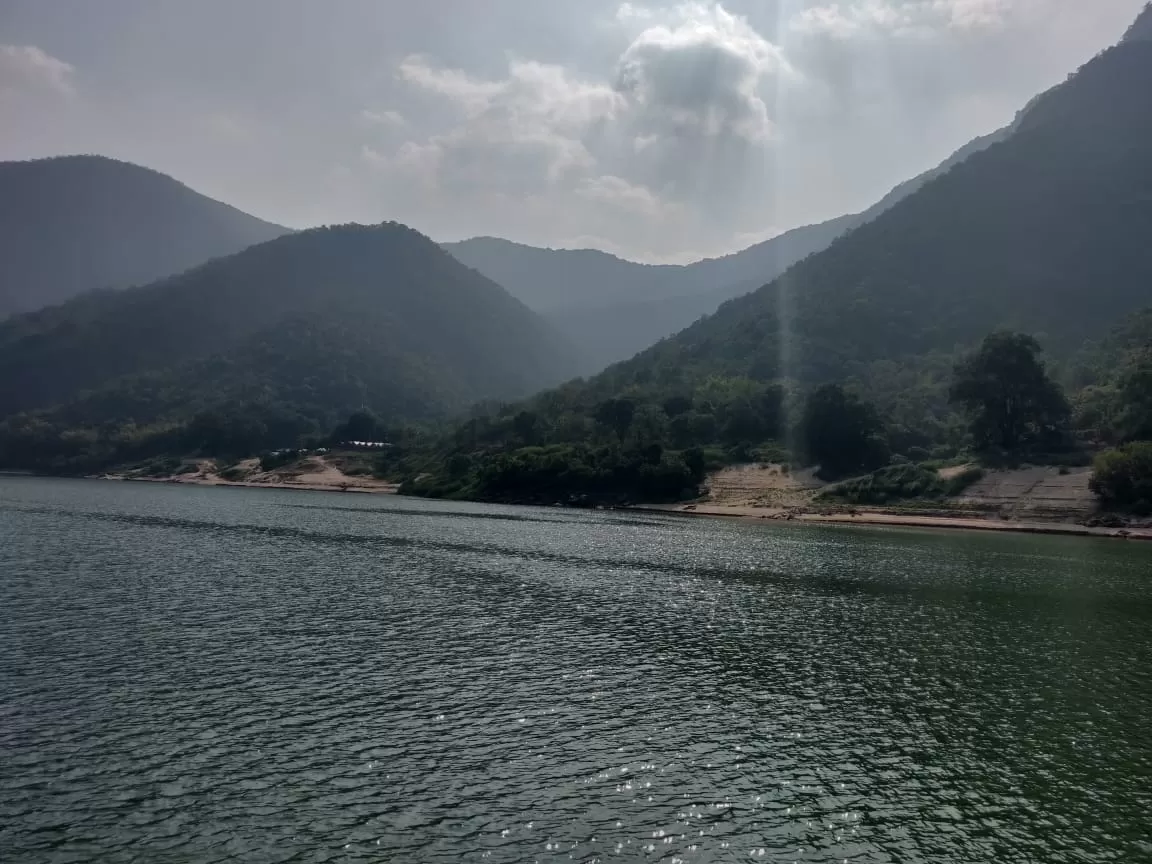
(292, 334)
(1045, 232)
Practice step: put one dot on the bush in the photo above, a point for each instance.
(1123, 478)
(891, 484)
(277, 459)
(954, 486)
(161, 466)
(233, 473)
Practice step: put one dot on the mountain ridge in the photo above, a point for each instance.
(70, 224)
(309, 325)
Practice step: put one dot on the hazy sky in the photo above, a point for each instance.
(660, 131)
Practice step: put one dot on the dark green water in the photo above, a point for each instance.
(195, 674)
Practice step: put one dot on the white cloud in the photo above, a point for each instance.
(387, 119)
(913, 18)
(619, 193)
(28, 70)
(682, 117)
(701, 75)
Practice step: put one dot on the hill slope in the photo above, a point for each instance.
(1141, 29)
(75, 223)
(307, 326)
(1045, 231)
(612, 308)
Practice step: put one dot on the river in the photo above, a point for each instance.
(202, 674)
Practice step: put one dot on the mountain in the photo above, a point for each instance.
(1044, 231)
(1141, 29)
(73, 223)
(292, 333)
(612, 308)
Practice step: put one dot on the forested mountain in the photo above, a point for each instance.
(75, 223)
(291, 334)
(1043, 232)
(1046, 231)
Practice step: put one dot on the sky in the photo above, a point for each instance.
(658, 131)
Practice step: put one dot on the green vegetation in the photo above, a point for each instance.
(576, 475)
(263, 350)
(900, 484)
(870, 356)
(1008, 396)
(841, 433)
(1123, 478)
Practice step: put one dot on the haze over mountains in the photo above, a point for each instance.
(75, 223)
(613, 308)
(290, 334)
(1046, 231)
(1042, 227)
(85, 222)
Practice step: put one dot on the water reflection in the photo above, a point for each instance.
(199, 674)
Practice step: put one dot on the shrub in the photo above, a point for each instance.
(233, 473)
(277, 459)
(894, 483)
(955, 485)
(1123, 477)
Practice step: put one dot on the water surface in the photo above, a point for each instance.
(197, 674)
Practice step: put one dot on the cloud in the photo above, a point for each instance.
(680, 119)
(387, 119)
(620, 194)
(900, 18)
(523, 132)
(29, 71)
(700, 76)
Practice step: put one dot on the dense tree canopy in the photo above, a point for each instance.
(287, 336)
(1008, 395)
(841, 433)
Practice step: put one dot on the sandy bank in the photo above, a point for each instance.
(904, 520)
(1037, 500)
(312, 474)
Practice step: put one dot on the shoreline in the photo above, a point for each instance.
(382, 489)
(864, 518)
(888, 519)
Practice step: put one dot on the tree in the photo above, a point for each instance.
(524, 425)
(1123, 477)
(360, 426)
(1007, 394)
(617, 415)
(841, 432)
(674, 406)
(1135, 422)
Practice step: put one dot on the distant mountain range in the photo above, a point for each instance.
(74, 223)
(613, 308)
(78, 223)
(291, 334)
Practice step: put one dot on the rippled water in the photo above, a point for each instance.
(197, 674)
